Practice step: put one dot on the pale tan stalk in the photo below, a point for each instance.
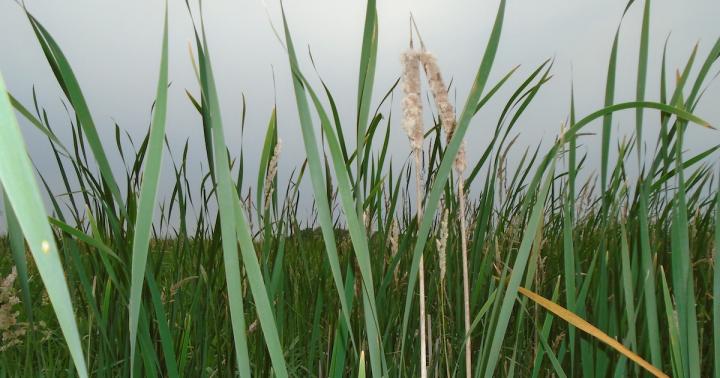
(421, 270)
(466, 281)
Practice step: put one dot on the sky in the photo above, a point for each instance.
(114, 50)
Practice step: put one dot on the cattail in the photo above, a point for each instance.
(412, 102)
(272, 172)
(447, 118)
(442, 101)
(439, 91)
(412, 124)
(442, 246)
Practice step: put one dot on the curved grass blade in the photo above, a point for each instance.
(69, 84)
(591, 330)
(318, 183)
(148, 195)
(224, 189)
(35, 122)
(16, 176)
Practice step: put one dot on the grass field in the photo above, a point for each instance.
(396, 272)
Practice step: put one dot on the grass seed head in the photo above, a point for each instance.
(272, 172)
(442, 245)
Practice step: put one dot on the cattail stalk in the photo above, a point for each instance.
(466, 281)
(447, 119)
(412, 124)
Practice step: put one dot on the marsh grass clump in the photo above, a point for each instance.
(542, 267)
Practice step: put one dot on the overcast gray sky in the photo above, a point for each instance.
(114, 47)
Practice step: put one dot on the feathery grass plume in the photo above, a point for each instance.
(413, 126)
(272, 172)
(442, 246)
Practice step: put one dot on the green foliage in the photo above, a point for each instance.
(221, 284)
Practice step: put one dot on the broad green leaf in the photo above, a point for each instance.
(17, 177)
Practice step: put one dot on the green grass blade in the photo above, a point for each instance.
(518, 271)
(258, 288)
(224, 194)
(357, 233)
(68, 82)
(368, 56)
(627, 285)
(642, 76)
(673, 332)
(607, 118)
(270, 137)
(16, 175)
(318, 181)
(17, 247)
(148, 194)
(568, 244)
(166, 340)
(35, 122)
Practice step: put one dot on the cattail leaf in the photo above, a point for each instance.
(148, 194)
(318, 180)
(270, 136)
(224, 191)
(16, 176)
(642, 76)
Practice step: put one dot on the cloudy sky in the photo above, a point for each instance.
(114, 48)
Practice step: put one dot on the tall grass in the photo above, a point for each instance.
(547, 277)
